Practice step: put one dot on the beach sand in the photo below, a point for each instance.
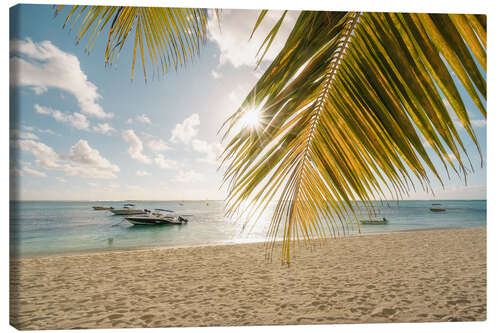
(419, 276)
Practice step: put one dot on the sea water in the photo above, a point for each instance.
(40, 228)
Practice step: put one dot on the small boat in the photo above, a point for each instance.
(437, 208)
(102, 208)
(375, 221)
(157, 217)
(128, 209)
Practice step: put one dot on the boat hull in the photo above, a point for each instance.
(102, 208)
(437, 209)
(373, 222)
(146, 220)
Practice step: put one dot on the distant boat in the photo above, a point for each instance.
(157, 217)
(375, 221)
(128, 209)
(102, 208)
(437, 208)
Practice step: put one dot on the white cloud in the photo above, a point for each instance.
(47, 131)
(186, 130)
(135, 147)
(46, 66)
(235, 28)
(157, 145)
(143, 119)
(33, 129)
(82, 153)
(82, 161)
(478, 122)
(28, 128)
(188, 177)
(104, 128)
(142, 173)
(77, 120)
(17, 134)
(456, 120)
(165, 163)
(215, 74)
(211, 150)
(46, 157)
(62, 180)
(34, 172)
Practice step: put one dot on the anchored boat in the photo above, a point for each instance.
(157, 217)
(102, 208)
(375, 221)
(128, 209)
(437, 208)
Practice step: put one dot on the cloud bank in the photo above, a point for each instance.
(43, 66)
(235, 28)
(135, 147)
(82, 160)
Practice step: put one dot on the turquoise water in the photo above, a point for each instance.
(56, 227)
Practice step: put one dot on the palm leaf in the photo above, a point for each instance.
(172, 36)
(345, 109)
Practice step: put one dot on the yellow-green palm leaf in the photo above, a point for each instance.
(345, 109)
(171, 36)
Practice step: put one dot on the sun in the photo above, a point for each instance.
(251, 119)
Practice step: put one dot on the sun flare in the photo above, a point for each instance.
(251, 119)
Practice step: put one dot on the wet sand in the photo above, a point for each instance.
(419, 276)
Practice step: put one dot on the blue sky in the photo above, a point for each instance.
(87, 132)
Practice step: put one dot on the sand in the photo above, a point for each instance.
(416, 276)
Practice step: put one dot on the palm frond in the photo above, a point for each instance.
(345, 109)
(171, 36)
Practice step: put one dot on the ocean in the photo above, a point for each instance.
(39, 228)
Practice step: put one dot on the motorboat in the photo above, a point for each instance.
(128, 209)
(157, 217)
(375, 221)
(102, 208)
(437, 208)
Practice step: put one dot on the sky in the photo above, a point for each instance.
(84, 131)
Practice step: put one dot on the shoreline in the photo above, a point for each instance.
(227, 243)
(425, 276)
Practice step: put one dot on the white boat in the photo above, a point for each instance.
(375, 221)
(157, 217)
(102, 208)
(128, 209)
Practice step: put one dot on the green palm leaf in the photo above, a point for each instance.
(343, 110)
(171, 36)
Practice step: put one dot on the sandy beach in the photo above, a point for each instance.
(419, 276)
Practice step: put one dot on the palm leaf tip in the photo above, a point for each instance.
(170, 37)
(346, 106)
